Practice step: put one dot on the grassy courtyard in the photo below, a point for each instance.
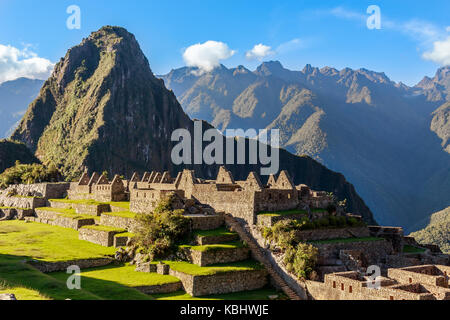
(21, 241)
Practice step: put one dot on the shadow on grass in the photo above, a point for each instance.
(15, 272)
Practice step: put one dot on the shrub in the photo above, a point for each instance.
(159, 233)
(305, 260)
(301, 259)
(28, 174)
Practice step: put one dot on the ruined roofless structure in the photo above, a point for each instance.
(242, 199)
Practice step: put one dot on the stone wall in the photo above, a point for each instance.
(276, 200)
(47, 267)
(72, 223)
(375, 251)
(205, 222)
(43, 190)
(92, 209)
(22, 202)
(214, 256)
(222, 282)
(162, 288)
(428, 274)
(392, 234)
(129, 224)
(241, 204)
(145, 201)
(268, 220)
(15, 213)
(335, 233)
(101, 237)
(216, 239)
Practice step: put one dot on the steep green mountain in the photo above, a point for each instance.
(15, 96)
(12, 151)
(103, 108)
(384, 137)
(437, 231)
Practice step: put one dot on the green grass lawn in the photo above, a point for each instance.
(68, 213)
(117, 282)
(123, 214)
(412, 249)
(19, 278)
(22, 293)
(104, 228)
(57, 210)
(194, 269)
(88, 201)
(283, 213)
(125, 234)
(124, 204)
(345, 240)
(47, 243)
(212, 247)
(21, 241)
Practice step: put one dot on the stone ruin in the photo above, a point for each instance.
(242, 199)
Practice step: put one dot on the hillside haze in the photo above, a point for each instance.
(102, 108)
(388, 139)
(15, 96)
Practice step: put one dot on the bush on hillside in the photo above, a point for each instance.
(159, 233)
(28, 174)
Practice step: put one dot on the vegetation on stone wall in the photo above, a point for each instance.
(28, 174)
(299, 258)
(158, 234)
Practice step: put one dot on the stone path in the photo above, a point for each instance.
(259, 255)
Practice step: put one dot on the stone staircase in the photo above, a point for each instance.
(259, 255)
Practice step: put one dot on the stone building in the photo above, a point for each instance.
(242, 199)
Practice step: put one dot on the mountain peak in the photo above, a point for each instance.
(102, 96)
(270, 67)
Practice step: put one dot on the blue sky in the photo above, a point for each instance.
(321, 33)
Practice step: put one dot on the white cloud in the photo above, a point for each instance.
(206, 56)
(343, 13)
(16, 63)
(447, 29)
(289, 46)
(440, 53)
(259, 52)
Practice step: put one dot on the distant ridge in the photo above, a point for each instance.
(389, 139)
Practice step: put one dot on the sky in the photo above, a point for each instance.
(411, 41)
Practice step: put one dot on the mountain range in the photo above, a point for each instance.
(15, 96)
(103, 109)
(390, 140)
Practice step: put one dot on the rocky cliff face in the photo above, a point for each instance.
(103, 108)
(358, 122)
